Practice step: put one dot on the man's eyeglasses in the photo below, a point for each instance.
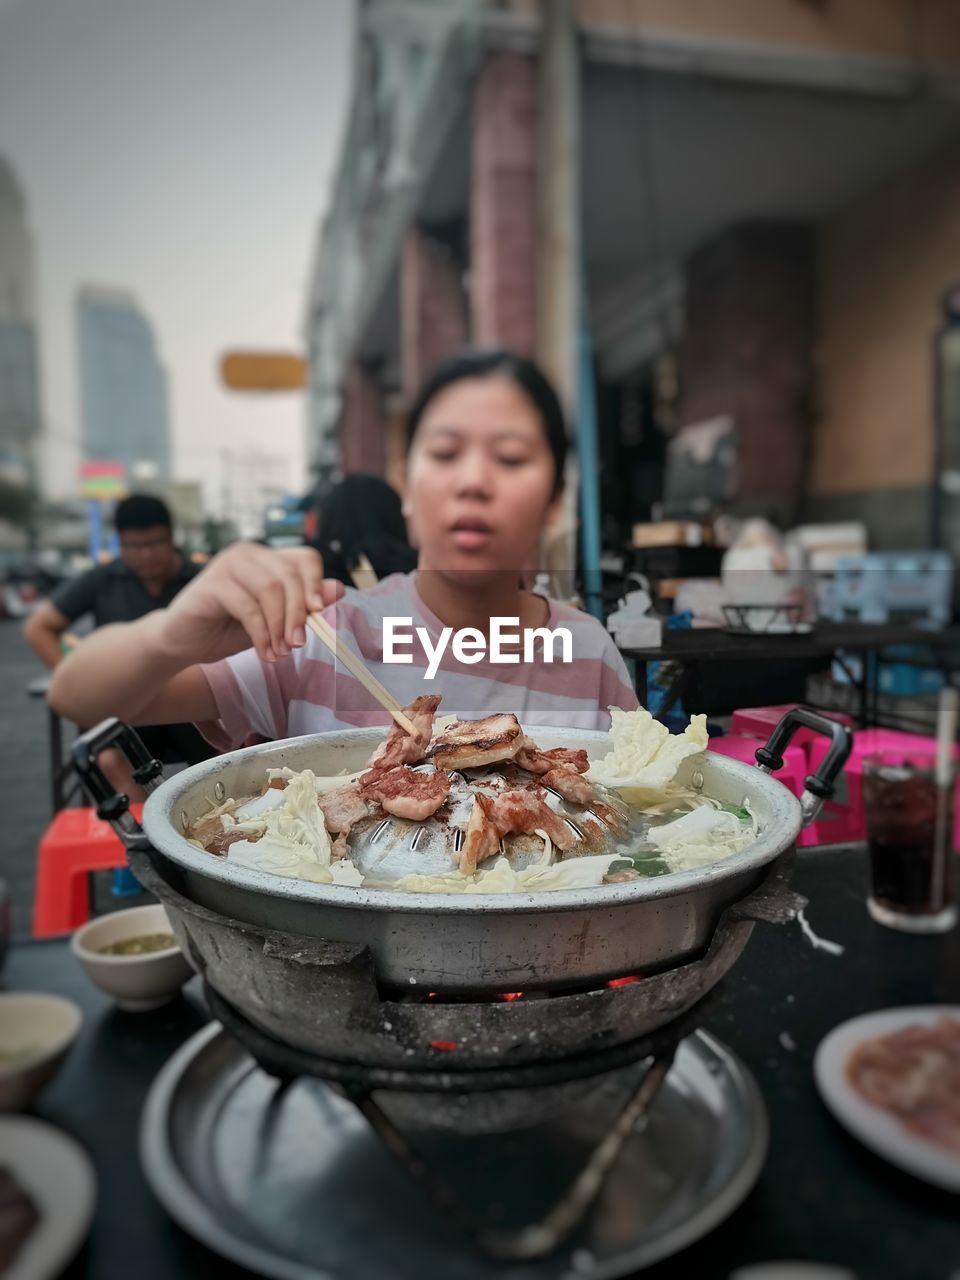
(148, 544)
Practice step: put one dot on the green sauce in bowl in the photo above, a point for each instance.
(139, 946)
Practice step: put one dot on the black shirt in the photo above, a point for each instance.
(114, 593)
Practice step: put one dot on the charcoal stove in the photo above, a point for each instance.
(635, 1070)
(550, 1076)
(328, 1001)
(299, 1168)
(381, 1022)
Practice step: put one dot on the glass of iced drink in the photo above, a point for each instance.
(910, 836)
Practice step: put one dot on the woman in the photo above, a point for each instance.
(484, 478)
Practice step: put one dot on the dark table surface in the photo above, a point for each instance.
(705, 643)
(821, 1195)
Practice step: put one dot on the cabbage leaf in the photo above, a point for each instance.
(500, 877)
(646, 755)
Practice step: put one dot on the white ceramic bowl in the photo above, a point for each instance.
(136, 982)
(38, 1030)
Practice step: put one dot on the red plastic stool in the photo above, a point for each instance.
(792, 773)
(843, 818)
(76, 843)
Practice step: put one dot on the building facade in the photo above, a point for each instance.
(123, 385)
(768, 219)
(20, 412)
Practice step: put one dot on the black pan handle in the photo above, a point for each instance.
(111, 805)
(819, 786)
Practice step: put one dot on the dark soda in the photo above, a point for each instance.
(902, 875)
(910, 875)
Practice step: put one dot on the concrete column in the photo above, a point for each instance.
(749, 330)
(433, 311)
(503, 204)
(361, 429)
(559, 286)
(559, 265)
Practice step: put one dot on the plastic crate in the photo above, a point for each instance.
(897, 585)
(899, 679)
(905, 681)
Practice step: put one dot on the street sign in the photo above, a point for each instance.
(102, 480)
(262, 371)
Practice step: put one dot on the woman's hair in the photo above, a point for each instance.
(489, 362)
(362, 516)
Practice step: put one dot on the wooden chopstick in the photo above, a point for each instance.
(342, 653)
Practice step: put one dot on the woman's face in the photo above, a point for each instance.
(480, 478)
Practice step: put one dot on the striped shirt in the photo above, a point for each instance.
(307, 693)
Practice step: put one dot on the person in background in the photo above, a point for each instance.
(361, 534)
(147, 575)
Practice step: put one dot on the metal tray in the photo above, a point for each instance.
(297, 1187)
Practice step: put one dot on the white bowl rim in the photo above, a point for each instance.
(83, 952)
(8, 1070)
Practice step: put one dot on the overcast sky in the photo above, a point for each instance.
(182, 149)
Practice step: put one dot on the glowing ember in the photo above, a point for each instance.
(623, 982)
(511, 995)
(444, 1046)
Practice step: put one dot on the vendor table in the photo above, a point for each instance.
(821, 1195)
(690, 648)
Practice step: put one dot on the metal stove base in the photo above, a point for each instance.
(295, 1185)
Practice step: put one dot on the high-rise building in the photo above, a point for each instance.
(123, 385)
(19, 394)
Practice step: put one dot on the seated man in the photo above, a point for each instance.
(148, 574)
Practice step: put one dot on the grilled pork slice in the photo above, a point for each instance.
(343, 807)
(405, 792)
(569, 782)
(525, 811)
(511, 811)
(402, 747)
(220, 843)
(531, 758)
(915, 1074)
(471, 744)
(482, 840)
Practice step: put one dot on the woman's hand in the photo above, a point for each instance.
(247, 595)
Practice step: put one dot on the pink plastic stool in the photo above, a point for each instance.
(760, 722)
(792, 774)
(843, 818)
